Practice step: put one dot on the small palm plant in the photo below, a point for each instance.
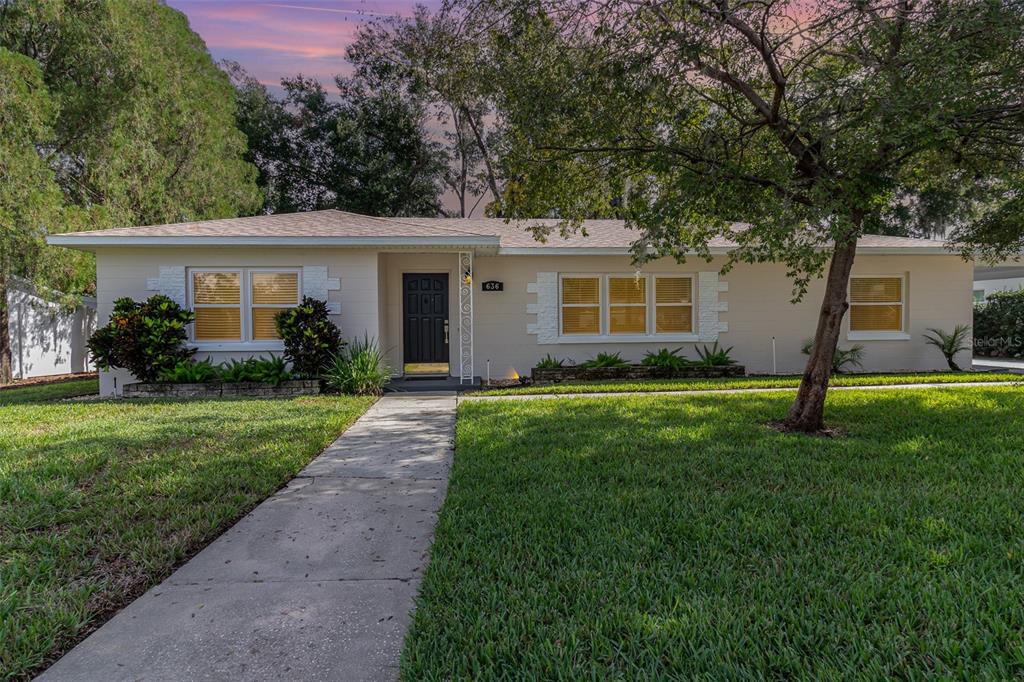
(603, 360)
(843, 358)
(715, 356)
(361, 370)
(949, 344)
(551, 362)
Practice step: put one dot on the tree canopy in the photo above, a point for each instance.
(104, 124)
(441, 60)
(788, 127)
(365, 150)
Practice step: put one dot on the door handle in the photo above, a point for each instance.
(446, 332)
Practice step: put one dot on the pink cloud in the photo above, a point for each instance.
(281, 38)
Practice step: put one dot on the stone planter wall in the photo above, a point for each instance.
(557, 374)
(223, 390)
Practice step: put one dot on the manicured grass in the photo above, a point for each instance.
(679, 537)
(47, 392)
(100, 500)
(654, 385)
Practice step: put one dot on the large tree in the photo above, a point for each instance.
(364, 150)
(29, 197)
(438, 58)
(789, 127)
(105, 125)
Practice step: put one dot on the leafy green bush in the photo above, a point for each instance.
(844, 357)
(189, 372)
(999, 325)
(310, 339)
(949, 343)
(272, 371)
(549, 362)
(362, 370)
(605, 360)
(715, 356)
(668, 360)
(145, 338)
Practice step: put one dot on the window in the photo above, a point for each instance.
(673, 305)
(626, 305)
(227, 311)
(272, 292)
(876, 304)
(581, 305)
(217, 303)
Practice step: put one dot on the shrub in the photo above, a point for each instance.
(999, 325)
(549, 362)
(605, 360)
(715, 356)
(668, 360)
(362, 370)
(949, 344)
(144, 338)
(843, 358)
(188, 372)
(310, 339)
(265, 371)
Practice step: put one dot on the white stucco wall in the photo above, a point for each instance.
(133, 271)
(754, 308)
(46, 338)
(749, 305)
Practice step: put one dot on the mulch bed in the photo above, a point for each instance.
(48, 379)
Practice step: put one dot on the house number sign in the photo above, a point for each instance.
(492, 285)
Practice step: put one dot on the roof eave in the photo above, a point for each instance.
(715, 251)
(90, 242)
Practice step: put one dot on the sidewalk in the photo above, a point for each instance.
(316, 583)
(720, 391)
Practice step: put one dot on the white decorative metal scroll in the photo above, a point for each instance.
(465, 317)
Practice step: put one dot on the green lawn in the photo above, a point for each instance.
(100, 500)
(655, 385)
(43, 392)
(679, 537)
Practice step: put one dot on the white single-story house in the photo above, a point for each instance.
(464, 297)
(47, 338)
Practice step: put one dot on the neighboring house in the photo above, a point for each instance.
(47, 338)
(461, 296)
(988, 280)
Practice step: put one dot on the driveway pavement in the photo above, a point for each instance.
(316, 583)
(999, 364)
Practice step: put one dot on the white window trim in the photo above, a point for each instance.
(604, 305)
(245, 296)
(901, 335)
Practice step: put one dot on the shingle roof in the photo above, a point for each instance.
(333, 224)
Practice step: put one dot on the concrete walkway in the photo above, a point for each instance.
(719, 391)
(316, 583)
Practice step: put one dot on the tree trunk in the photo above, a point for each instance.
(492, 181)
(6, 367)
(808, 411)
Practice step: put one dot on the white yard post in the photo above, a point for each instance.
(465, 317)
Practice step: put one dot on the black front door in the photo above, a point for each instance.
(425, 318)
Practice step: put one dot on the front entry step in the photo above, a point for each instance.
(414, 384)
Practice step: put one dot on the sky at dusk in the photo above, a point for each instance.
(276, 39)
